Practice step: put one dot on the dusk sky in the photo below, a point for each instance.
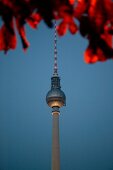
(86, 123)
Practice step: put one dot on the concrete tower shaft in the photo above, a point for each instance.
(55, 142)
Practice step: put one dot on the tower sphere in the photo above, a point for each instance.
(55, 98)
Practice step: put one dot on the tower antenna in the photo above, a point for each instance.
(55, 50)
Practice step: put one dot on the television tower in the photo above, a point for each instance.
(55, 99)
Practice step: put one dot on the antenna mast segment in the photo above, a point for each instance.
(55, 51)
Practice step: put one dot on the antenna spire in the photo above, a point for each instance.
(55, 50)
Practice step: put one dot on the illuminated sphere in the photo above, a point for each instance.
(55, 98)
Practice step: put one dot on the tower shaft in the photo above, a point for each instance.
(55, 142)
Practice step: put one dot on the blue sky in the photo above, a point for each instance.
(86, 123)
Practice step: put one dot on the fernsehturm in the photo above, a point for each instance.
(55, 99)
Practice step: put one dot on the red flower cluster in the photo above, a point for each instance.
(92, 18)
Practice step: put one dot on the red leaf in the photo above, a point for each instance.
(34, 20)
(80, 8)
(73, 28)
(22, 34)
(7, 39)
(62, 28)
(71, 2)
(89, 57)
